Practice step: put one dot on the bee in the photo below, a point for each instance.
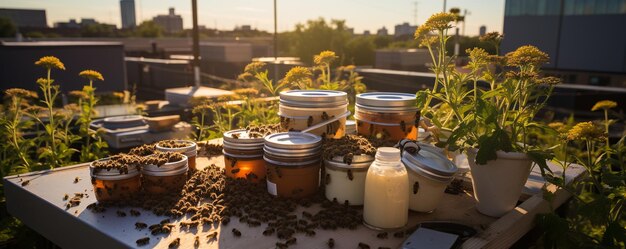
(235, 135)
(382, 235)
(399, 234)
(384, 247)
(307, 214)
(212, 236)
(363, 246)
(416, 187)
(24, 183)
(291, 241)
(225, 220)
(350, 175)
(234, 171)
(134, 212)
(121, 213)
(165, 221)
(330, 243)
(281, 245)
(236, 232)
(233, 162)
(76, 179)
(268, 231)
(65, 197)
(278, 172)
(324, 116)
(403, 126)
(253, 223)
(309, 121)
(143, 241)
(346, 203)
(174, 244)
(140, 225)
(310, 233)
(327, 180)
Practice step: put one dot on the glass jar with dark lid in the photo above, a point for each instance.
(293, 161)
(116, 183)
(243, 155)
(388, 115)
(301, 109)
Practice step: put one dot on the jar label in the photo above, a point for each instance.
(271, 188)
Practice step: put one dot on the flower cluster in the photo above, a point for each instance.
(325, 58)
(586, 131)
(254, 67)
(527, 55)
(298, 75)
(78, 94)
(491, 37)
(20, 93)
(604, 104)
(91, 75)
(44, 82)
(49, 62)
(246, 92)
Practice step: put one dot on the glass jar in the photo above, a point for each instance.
(430, 172)
(346, 182)
(301, 109)
(293, 162)
(387, 115)
(243, 156)
(386, 202)
(113, 185)
(167, 178)
(189, 149)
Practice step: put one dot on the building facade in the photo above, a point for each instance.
(26, 17)
(127, 10)
(586, 40)
(404, 29)
(171, 22)
(482, 30)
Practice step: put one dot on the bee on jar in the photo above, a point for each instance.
(350, 175)
(212, 236)
(330, 243)
(121, 213)
(363, 246)
(234, 171)
(140, 225)
(268, 231)
(416, 187)
(291, 241)
(309, 121)
(382, 235)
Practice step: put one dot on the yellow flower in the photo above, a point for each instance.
(42, 81)
(246, 77)
(585, 131)
(527, 55)
(297, 75)
(440, 21)
(428, 41)
(254, 67)
(347, 68)
(78, 94)
(549, 80)
(50, 62)
(325, 57)
(20, 93)
(421, 32)
(203, 108)
(478, 55)
(72, 108)
(492, 37)
(119, 95)
(91, 75)
(247, 92)
(558, 126)
(604, 104)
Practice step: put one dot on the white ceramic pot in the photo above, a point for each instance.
(499, 183)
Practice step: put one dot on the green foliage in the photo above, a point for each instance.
(7, 28)
(97, 30)
(149, 29)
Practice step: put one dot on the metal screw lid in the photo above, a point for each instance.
(387, 101)
(293, 144)
(313, 98)
(429, 161)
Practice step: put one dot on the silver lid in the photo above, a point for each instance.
(430, 162)
(313, 98)
(358, 162)
(242, 137)
(293, 144)
(387, 101)
(172, 166)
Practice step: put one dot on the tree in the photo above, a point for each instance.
(97, 30)
(149, 29)
(318, 35)
(7, 28)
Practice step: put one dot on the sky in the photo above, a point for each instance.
(225, 15)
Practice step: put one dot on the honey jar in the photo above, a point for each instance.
(169, 177)
(430, 172)
(346, 182)
(387, 115)
(185, 147)
(115, 183)
(293, 162)
(243, 155)
(301, 109)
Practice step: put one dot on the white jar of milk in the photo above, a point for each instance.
(386, 202)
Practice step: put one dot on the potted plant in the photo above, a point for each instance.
(492, 122)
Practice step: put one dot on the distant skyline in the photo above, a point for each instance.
(226, 15)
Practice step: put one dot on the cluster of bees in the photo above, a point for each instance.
(209, 149)
(144, 150)
(173, 144)
(264, 130)
(122, 162)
